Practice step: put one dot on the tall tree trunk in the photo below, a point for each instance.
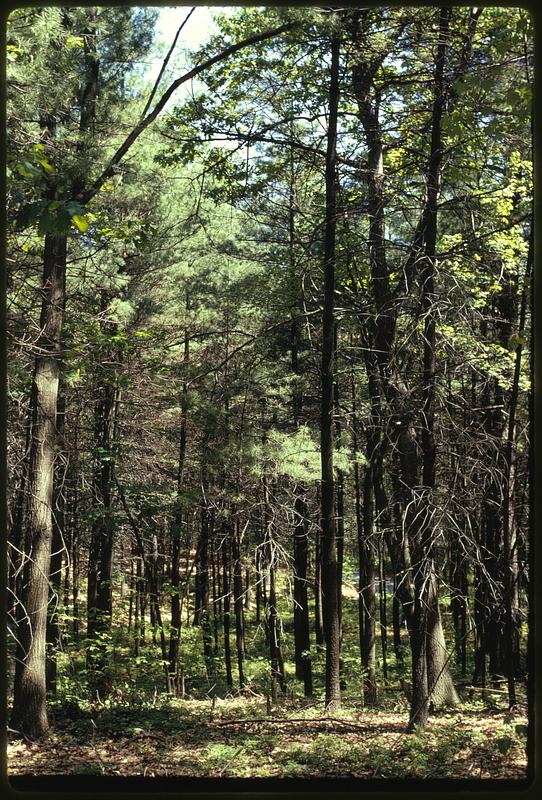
(29, 713)
(340, 490)
(215, 571)
(303, 666)
(367, 541)
(301, 601)
(226, 592)
(329, 536)
(57, 550)
(136, 601)
(368, 590)
(74, 525)
(318, 612)
(259, 578)
(511, 584)
(339, 506)
(271, 616)
(176, 537)
(383, 612)
(238, 603)
(202, 566)
(430, 679)
(364, 525)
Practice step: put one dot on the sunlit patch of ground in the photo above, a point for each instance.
(238, 738)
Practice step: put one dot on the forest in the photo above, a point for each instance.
(268, 316)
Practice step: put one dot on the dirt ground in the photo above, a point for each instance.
(237, 738)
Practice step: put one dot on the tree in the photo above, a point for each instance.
(329, 540)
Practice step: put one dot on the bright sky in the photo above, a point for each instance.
(197, 30)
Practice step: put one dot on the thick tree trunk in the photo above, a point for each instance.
(29, 713)
(440, 684)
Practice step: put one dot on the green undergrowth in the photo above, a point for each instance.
(138, 699)
(240, 737)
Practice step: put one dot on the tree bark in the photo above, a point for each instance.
(226, 592)
(57, 551)
(176, 536)
(238, 603)
(303, 666)
(301, 602)
(511, 584)
(318, 613)
(368, 590)
(29, 714)
(431, 679)
(329, 534)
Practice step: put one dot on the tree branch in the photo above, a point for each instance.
(166, 61)
(88, 194)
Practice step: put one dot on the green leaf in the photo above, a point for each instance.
(27, 170)
(46, 166)
(74, 41)
(80, 222)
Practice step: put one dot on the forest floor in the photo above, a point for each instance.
(239, 737)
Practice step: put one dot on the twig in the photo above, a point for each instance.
(286, 720)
